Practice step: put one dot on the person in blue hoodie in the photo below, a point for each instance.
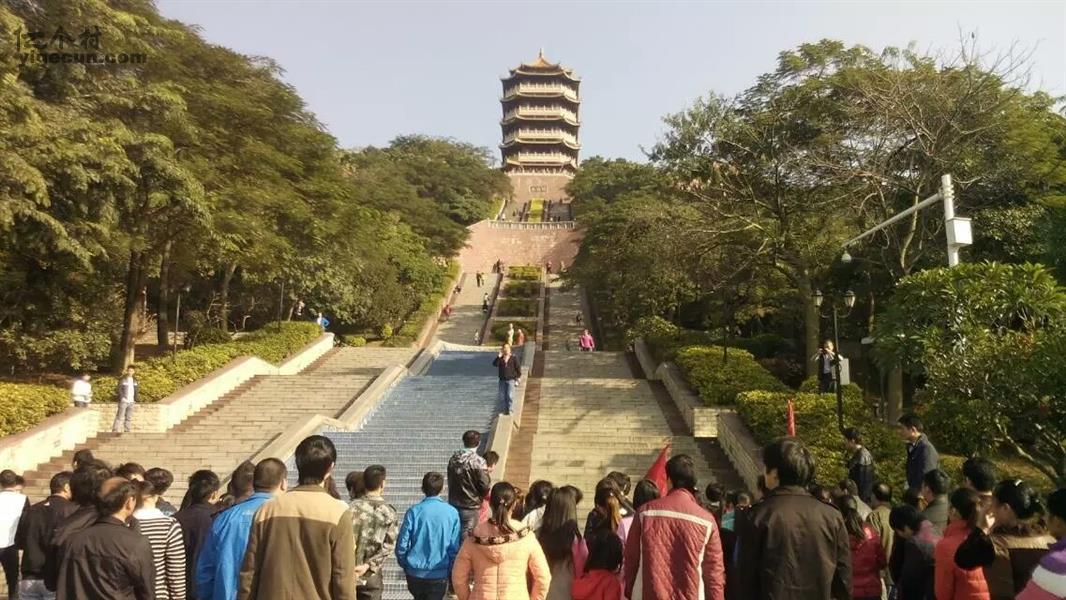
(219, 565)
(428, 542)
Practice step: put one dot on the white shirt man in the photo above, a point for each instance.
(81, 391)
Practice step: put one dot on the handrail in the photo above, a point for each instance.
(533, 224)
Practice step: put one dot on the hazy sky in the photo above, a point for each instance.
(371, 71)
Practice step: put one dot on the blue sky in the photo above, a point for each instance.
(371, 71)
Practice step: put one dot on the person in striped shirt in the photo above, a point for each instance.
(168, 546)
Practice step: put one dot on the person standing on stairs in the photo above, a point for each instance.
(84, 484)
(374, 527)
(161, 480)
(127, 399)
(480, 279)
(510, 333)
(485, 303)
(586, 342)
(197, 509)
(34, 534)
(562, 543)
(510, 373)
(429, 541)
(13, 505)
(168, 548)
(81, 391)
(468, 481)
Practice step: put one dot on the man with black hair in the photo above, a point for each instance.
(110, 559)
(131, 471)
(34, 534)
(922, 457)
(13, 504)
(161, 480)
(84, 485)
(912, 561)
(428, 542)
(198, 507)
(219, 565)
(81, 457)
(979, 474)
(301, 544)
(374, 527)
(860, 464)
(792, 545)
(468, 480)
(673, 539)
(935, 487)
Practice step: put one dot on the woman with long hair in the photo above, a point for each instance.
(168, 547)
(867, 554)
(951, 581)
(1019, 538)
(644, 492)
(601, 579)
(498, 554)
(562, 542)
(607, 514)
(536, 500)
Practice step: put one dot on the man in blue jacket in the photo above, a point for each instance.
(429, 541)
(219, 565)
(922, 457)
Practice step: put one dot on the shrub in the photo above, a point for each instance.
(499, 329)
(524, 273)
(764, 345)
(428, 308)
(718, 382)
(522, 289)
(354, 341)
(651, 327)
(517, 307)
(163, 375)
(385, 331)
(24, 405)
(61, 350)
(789, 371)
(536, 210)
(851, 391)
(207, 335)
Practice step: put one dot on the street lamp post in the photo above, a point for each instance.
(849, 303)
(177, 320)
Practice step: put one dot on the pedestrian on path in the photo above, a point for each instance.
(446, 312)
(1050, 573)
(127, 399)
(13, 505)
(586, 342)
(510, 333)
(826, 359)
(374, 526)
(322, 321)
(81, 391)
(922, 457)
(521, 337)
(860, 464)
(485, 303)
(429, 541)
(468, 481)
(480, 278)
(563, 545)
(477, 337)
(510, 373)
(198, 508)
(548, 267)
(34, 534)
(168, 547)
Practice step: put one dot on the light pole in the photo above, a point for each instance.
(958, 229)
(849, 303)
(177, 320)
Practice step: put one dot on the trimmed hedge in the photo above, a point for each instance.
(23, 405)
(407, 334)
(522, 289)
(536, 210)
(161, 376)
(524, 273)
(851, 391)
(718, 382)
(517, 307)
(499, 329)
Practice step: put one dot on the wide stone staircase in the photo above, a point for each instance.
(416, 428)
(235, 427)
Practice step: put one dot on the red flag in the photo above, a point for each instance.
(657, 472)
(791, 418)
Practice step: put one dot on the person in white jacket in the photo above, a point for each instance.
(81, 391)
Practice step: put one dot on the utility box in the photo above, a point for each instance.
(845, 371)
(959, 231)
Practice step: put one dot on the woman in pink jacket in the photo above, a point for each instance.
(498, 554)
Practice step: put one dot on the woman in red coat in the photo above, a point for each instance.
(867, 554)
(952, 581)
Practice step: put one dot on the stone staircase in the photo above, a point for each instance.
(416, 428)
(235, 427)
(467, 317)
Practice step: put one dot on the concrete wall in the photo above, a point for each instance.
(533, 246)
(24, 451)
(549, 187)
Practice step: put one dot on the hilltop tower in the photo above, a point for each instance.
(540, 129)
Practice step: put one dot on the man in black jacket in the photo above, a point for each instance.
(922, 457)
(468, 481)
(35, 534)
(110, 559)
(510, 376)
(84, 485)
(791, 545)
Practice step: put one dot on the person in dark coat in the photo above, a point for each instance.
(88, 477)
(921, 455)
(197, 508)
(110, 559)
(791, 545)
(912, 561)
(35, 531)
(860, 464)
(935, 487)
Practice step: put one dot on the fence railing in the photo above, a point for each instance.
(532, 225)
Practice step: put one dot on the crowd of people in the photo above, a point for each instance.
(111, 533)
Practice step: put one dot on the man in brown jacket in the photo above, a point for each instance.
(301, 545)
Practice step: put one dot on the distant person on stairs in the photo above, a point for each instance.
(374, 527)
(479, 278)
(521, 337)
(429, 541)
(586, 342)
(510, 333)
(485, 303)
(81, 391)
(468, 481)
(127, 399)
(510, 373)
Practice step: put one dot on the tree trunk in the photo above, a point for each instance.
(894, 401)
(223, 292)
(122, 352)
(162, 321)
(811, 326)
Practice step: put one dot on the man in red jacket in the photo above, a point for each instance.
(673, 550)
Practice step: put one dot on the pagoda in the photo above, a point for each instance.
(540, 129)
